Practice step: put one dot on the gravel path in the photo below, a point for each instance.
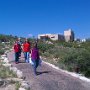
(49, 78)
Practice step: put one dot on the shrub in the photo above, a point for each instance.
(1, 52)
(77, 59)
(44, 47)
(72, 56)
(5, 72)
(87, 72)
(17, 85)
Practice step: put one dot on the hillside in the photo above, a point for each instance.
(72, 56)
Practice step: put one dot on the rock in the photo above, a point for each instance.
(19, 74)
(22, 88)
(10, 87)
(1, 82)
(6, 60)
(3, 55)
(7, 65)
(25, 85)
(15, 79)
(14, 69)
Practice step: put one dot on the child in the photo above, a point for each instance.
(35, 57)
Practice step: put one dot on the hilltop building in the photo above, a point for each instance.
(53, 37)
(69, 35)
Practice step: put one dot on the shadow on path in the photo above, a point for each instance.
(38, 73)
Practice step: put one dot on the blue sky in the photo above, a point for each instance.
(33, 17)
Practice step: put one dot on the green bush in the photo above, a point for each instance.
(73, 56)
(17, 85)
(44, 47)
(87, 72)
(79, 58)
(1, 52)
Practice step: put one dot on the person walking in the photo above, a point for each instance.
(16, 50)
(35, 57)
(26, 50)
(20, 44)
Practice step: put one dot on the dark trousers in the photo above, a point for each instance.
(16, 56)
(20, 53)
(36, 63)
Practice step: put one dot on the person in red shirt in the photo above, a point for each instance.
(16, 50)
(26, 50)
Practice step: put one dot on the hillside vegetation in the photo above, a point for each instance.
(6, 42)
(71, 56)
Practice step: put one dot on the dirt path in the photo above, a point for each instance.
(49, 78)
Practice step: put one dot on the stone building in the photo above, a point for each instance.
(53, 37)
(69, 35)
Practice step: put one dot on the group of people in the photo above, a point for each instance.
(28, 52)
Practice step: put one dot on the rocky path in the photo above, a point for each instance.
(48, 78)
